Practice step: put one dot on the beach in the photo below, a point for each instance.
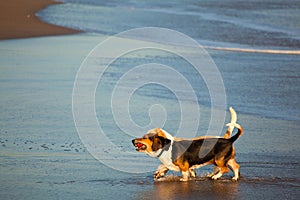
(43, 152)
(18, 20)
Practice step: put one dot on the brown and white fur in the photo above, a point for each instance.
(183, 154)
(227, 135)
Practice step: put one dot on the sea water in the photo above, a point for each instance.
(260, 84)
(228, 23)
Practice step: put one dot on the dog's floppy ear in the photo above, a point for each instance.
(160, 142)
(165, 141)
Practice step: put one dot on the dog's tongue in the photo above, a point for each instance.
(139, 145)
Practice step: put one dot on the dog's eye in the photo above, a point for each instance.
(151, 137)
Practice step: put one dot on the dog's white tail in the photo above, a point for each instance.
(233, 118)
(233, 121)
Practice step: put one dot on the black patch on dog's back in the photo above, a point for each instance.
(201, 151)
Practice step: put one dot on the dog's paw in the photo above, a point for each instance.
(193, 173)
(185, 176)
(184, 179)
(215, 177)
(234, 178)
(158, 175)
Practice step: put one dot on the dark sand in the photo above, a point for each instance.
(18, 20)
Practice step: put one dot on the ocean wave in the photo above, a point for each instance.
(249, 50)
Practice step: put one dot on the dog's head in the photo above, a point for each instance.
(153, 141)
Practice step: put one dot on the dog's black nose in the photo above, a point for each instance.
(133, 141)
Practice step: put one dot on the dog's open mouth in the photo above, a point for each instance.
(140, 146)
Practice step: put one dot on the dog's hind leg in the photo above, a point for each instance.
(214, 172)
(222, 165)
(223, 170)
(235, 168)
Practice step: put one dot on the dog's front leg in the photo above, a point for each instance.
(160, 172)
(185, 175)
(192, 173)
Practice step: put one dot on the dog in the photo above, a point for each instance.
(162, 170)
(183, 154)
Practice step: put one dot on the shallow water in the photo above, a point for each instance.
(43, 157)
(77, 176)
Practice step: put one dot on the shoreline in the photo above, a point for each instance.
(18, 20)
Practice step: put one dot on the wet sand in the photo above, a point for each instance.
(18, 20)
(42, 157)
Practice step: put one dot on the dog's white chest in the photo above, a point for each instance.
(166, 159)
